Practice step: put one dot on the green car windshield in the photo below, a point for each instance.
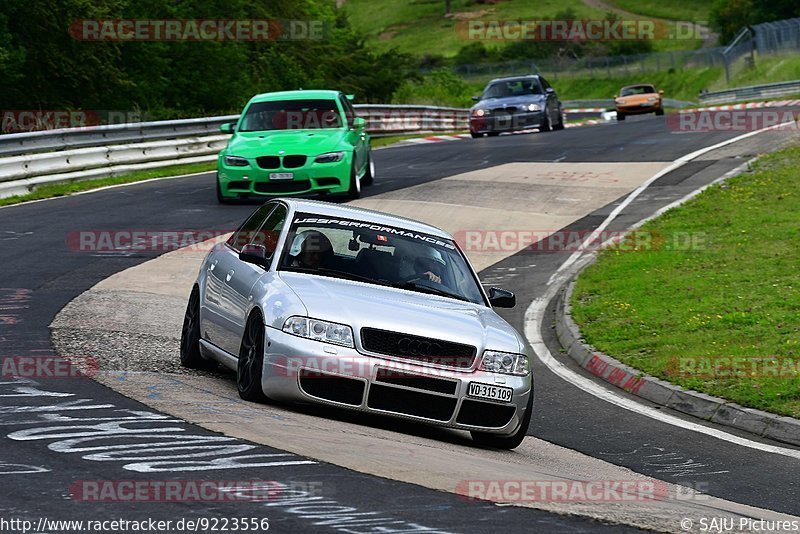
(291, 115)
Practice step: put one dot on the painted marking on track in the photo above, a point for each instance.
(21, 469)
(146, 442)
(673, 463)
(534, 318)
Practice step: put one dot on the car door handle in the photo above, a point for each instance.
(229, 276)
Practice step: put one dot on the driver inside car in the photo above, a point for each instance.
(430, 266)
(315, 251)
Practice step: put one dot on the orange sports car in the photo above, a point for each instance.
(638, 99)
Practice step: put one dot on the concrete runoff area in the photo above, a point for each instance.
(140, 311)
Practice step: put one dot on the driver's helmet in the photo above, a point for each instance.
(311, 243)
(416, 258)
(429, 259)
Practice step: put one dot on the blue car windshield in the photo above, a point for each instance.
(291, 115)
(512, 88)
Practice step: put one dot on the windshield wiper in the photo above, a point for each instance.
(413, 286)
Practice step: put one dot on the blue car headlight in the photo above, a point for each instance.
(327, 332)
(236, 161)
(533, 107)
(330, 157)
(507, 363)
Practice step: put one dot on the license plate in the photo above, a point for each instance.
(489, 391)
(281, 176)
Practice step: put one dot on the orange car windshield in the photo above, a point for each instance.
(637, 90)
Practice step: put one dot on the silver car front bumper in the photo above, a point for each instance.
(307, 371)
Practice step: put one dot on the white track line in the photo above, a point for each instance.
(534, 317)
(683, 160)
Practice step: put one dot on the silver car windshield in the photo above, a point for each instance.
(378, 254)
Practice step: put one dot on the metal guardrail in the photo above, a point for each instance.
(608, 103)
(92, 136)
(28, 160)
(769, 90)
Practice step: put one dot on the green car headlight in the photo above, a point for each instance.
(236, 161)
(505, 362)
(330, 157)
(327, 332)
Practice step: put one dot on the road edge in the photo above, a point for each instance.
(701, 405)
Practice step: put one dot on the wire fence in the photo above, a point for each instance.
(764, 39)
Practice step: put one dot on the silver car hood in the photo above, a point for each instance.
(364, 305)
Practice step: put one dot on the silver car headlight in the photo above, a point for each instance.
(338, 334)
(507, 363)
(236, 161)
(533, 107)
(330, 157)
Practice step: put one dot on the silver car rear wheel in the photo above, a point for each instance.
(190, 336)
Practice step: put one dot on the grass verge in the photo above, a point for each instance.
(691, 10)
(65, 189)
(713, 302)
(60, 190)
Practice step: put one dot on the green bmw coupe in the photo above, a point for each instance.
(295, 143)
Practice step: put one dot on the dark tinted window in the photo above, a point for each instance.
(270, 231)
(291, 115)
(637, 90)
(506, 88)
(349, 110)
(248, 230)
(545, 85)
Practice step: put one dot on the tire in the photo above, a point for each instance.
(251, 360)
(620, 116)
(660, 111)
(560, 124)
(221, 199)
(190, 336)
(475, 135)
(355, 184)
(369, 175)
(494, 441)
(545, 126)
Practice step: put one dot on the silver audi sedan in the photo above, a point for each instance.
(329, 304)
